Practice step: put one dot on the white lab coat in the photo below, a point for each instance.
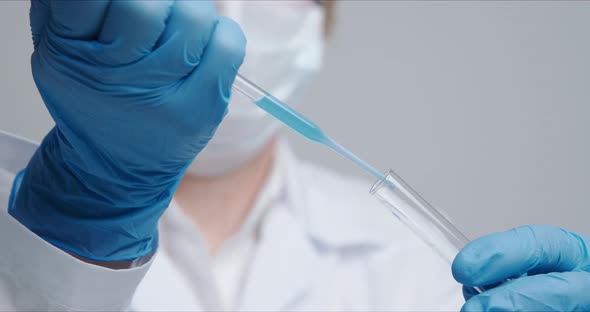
(329, 246)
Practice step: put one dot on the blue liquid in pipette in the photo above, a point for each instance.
(310, 130)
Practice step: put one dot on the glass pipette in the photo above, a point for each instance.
(296, 121)
(405, 203)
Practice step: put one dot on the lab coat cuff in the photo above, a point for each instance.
(64, 281)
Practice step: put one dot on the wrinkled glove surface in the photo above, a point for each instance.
(136, 89)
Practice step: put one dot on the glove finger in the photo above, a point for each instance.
(38, 17)
(530, 249)
(218, 68)
(546, 292)
(80, 20)
(469, 292)
(131, 29)
(181, 46)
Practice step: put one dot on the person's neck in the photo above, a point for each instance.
(219, 205)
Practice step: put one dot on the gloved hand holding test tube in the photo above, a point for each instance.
(423, 219)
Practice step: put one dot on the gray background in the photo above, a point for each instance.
(482, 107)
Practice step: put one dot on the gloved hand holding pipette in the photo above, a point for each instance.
(132, 110)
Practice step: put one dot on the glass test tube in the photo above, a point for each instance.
(423, 219)
(418, 215)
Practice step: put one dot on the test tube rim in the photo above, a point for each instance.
(380, 182)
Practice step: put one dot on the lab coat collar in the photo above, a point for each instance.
(328, 218)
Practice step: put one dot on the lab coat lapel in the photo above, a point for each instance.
(283, 267)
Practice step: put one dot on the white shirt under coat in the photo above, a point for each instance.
(321, 242)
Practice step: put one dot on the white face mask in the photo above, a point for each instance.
(284, 52)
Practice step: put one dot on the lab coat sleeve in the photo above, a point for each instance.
(36, 276)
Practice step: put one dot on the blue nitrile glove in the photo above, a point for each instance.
(136, 89)
(552, 267)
